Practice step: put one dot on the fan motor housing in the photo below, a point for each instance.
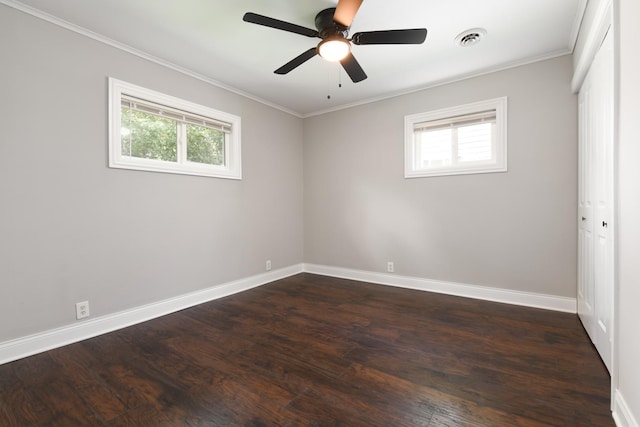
(326, 25)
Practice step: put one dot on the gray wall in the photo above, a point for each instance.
(513, 230)
(71, 229)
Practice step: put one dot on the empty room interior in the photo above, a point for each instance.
(208, 219)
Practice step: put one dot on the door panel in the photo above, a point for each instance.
(603, 255)
(595, 209)
(586, 294)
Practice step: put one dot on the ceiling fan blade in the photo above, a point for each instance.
(345, 12)
(254, 18)
(413, 36)
(297, 61)
(353, 69)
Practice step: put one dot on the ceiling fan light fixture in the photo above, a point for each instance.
(334, 49)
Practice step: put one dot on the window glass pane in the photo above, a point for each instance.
(148, 136)
(205, 145)
(435, 148)
(474, 142)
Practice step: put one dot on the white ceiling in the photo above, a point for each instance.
(209, 38)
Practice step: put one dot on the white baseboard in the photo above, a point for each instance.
(47, 340)
(40, 342)
(622, 415)
(549, 302)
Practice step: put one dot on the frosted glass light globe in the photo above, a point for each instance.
(334, 49)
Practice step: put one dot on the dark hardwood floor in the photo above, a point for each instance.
(312, 350)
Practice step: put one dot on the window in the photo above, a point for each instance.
(467, 139)
(151, 131)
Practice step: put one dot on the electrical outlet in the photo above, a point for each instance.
(82, 310)
(390, 267)
(267, 265)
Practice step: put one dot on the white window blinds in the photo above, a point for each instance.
(458, 121)
(144, 106)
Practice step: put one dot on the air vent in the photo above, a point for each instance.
(470, 37)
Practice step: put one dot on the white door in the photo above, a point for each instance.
(586, 283)
(595, 210)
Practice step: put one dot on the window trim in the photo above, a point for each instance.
(232, 169)
(497, 164)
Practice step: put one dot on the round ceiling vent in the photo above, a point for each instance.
(470, 37)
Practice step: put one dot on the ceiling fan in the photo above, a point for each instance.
(332, 27)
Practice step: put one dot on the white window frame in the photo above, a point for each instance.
(498, 162)
(232, 167)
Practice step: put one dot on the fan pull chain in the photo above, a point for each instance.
(339, 81)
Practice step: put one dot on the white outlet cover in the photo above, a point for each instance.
(82, 310)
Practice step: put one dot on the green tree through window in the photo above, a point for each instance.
(205, 145)
(148, 136)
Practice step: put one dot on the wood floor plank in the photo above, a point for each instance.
(100, 398)
(18, 404)
(314, 350)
